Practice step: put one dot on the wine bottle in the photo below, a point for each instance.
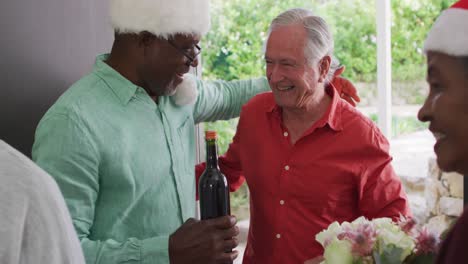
(213, 187)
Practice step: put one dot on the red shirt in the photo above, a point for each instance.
(337, 171)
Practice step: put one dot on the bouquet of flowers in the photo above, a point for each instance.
(379, 241)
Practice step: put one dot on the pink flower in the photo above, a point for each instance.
(362, 238)
(327, 242)
(407, 224)
(426, 242)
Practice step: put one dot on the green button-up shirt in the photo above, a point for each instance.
(125, 164)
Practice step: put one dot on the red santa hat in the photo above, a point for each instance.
(449, 34)
(161, 17)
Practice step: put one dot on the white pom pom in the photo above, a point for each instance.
(186, 92)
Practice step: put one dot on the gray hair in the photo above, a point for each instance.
(319, 37)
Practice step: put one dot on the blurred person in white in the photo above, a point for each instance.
(35, 225)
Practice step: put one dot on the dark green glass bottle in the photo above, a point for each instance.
(213, 187)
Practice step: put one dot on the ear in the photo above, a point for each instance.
(324, 67)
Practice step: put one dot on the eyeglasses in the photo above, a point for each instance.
(195, 50)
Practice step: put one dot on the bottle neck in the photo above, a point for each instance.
(211, 154)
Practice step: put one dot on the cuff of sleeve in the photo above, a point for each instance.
(155, 250)
(263, 84)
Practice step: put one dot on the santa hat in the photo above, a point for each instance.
(164, 18)
(160, 17)
(449, 34)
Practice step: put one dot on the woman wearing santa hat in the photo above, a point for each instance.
(446, 108)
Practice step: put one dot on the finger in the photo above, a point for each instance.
(230, 244)
(348, 99)
(222, 222)
(339, 84)
(339, 71)
(356, 98)
(349, 89)
(190, 222)
(229, 233)
(227, 257)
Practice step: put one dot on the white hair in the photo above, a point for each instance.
(319, 37)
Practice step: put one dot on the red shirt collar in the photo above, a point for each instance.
(332, 116)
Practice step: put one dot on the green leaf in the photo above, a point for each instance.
(239, 30)
(390, 255)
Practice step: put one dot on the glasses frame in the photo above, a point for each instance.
(196, 50)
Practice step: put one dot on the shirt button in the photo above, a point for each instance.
(285, 134)
(281, 202)
(278, 235)
(286, 167)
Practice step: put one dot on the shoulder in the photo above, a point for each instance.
(80, 103)
(352, 117)
(23, 176)
(360, 135)
(260, 103)
(85, 95)
(361, 126)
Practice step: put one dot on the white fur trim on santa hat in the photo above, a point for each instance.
(449, 33)
(161, 17)
(186, 92)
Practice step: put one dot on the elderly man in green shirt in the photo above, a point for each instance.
(120, 141)
(122, 150)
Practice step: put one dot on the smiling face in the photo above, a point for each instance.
(293, 81)
(446, 108)
(164, 65)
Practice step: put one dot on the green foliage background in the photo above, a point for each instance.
(233, 49)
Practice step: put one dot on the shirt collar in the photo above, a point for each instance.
(121, 86)
(332, 116)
